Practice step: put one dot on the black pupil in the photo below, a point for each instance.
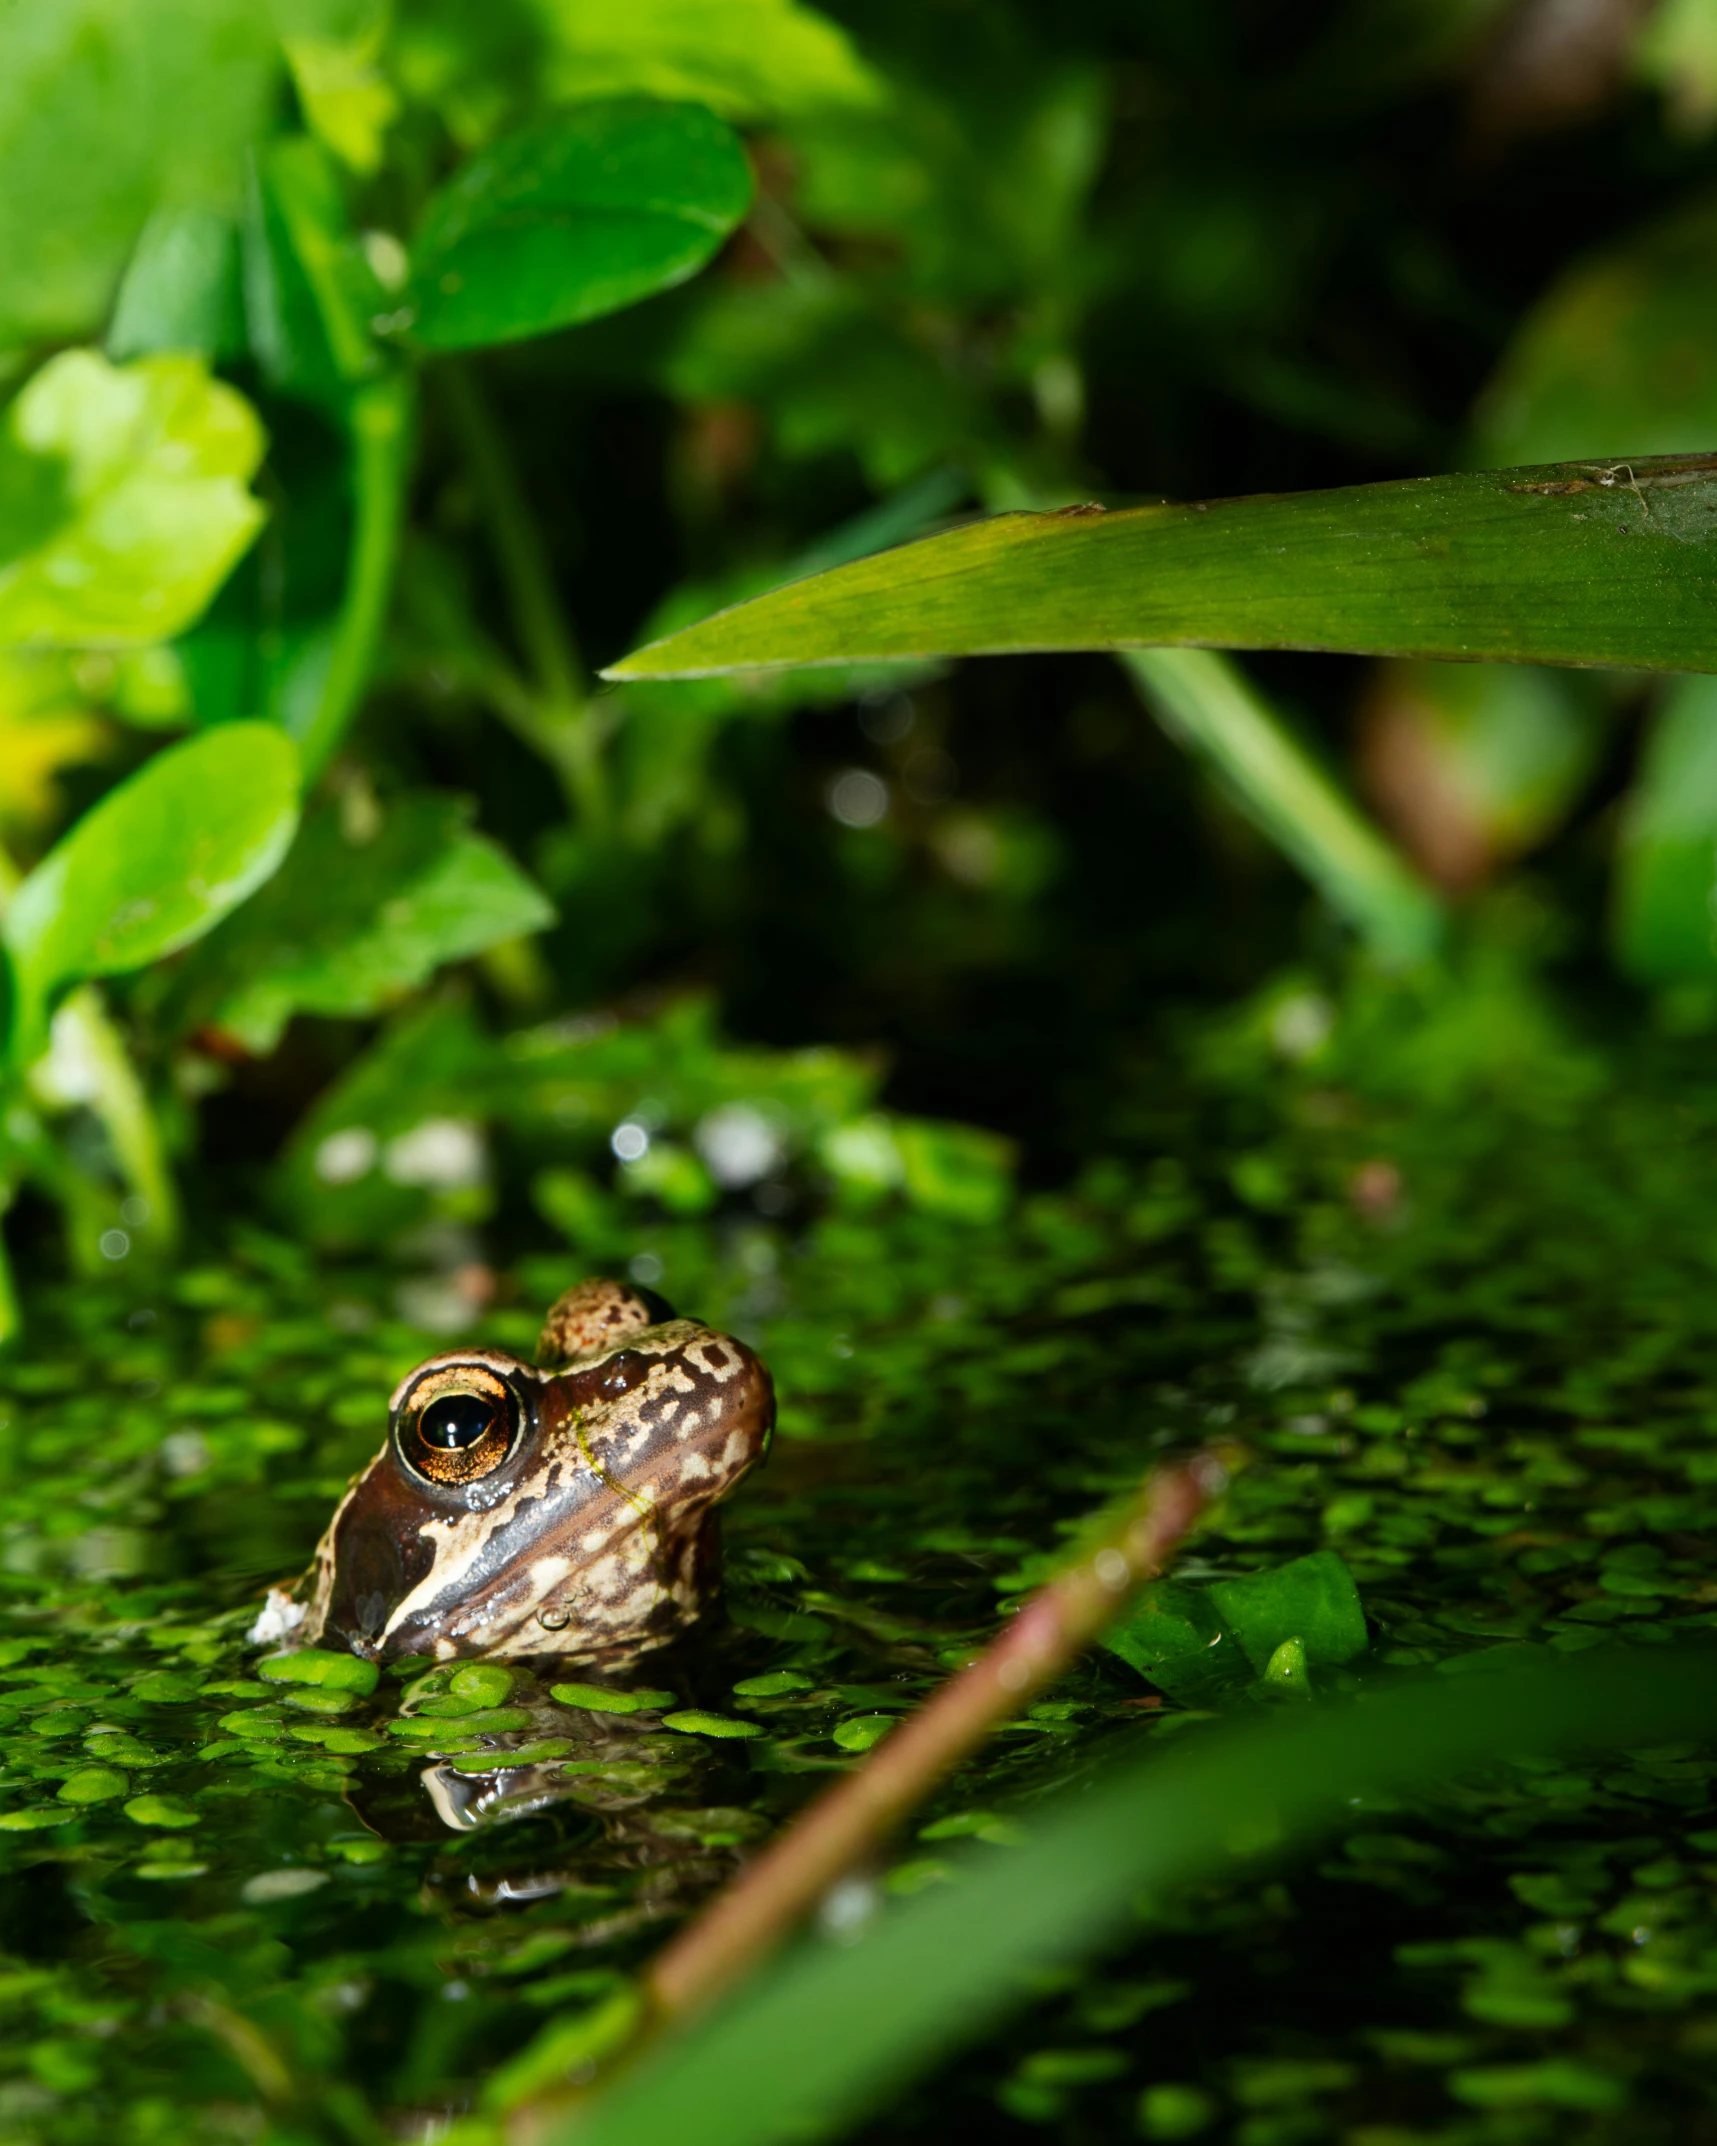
(455, 1421)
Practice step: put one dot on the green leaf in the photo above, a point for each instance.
(309, 293)
(348, 1175)
(1613, 360)
(832, 2030)
(696, 1721)
(572, 217)
(1312, 1599)
(347, 101)
(1575, 563)
(1665, 925)
(748, 59)
(1288, 1672)
(1555, 2082)
(181, 290)
(153, 866)
(358, 917)
(956, 1170)
(122, 498)
(108, 109)
(173, 1812)
(1173, 1635)
(1195, 1642)
(1677, 50)
(483, 1683)
(1481, 761)
(602, 1699)
(94, 1784)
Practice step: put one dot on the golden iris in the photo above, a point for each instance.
(457, 1424)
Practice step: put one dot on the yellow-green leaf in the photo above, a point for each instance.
(1599, 562)
(123, 499)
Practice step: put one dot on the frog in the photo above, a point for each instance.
(562, 1508)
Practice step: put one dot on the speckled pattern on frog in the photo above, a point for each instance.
(567, 1510)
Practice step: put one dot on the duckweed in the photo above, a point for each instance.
(327, 1671)
(171, 1811)
(1491, 1422)
(695, 1721)
(773, 1686)
(863, 1731)
(94, 1784)
(600, 1699)
(318, 1699)
(483, 1684)
(272, 1885)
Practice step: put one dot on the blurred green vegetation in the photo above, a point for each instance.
(1043, 1060)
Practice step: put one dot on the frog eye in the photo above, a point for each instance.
(457, 1423)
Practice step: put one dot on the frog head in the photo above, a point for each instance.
(563, 1507)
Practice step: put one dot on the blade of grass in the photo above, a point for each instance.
(808, 2047)
(1207, 704)
(1612, 563)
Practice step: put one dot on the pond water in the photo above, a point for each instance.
(1454, 1286)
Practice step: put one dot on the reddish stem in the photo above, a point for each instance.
(850, 1820)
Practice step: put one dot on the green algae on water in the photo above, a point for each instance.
(1489, 1400)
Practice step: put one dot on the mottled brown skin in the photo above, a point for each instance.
(589, 1532)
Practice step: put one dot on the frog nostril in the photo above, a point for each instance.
(621, 1373)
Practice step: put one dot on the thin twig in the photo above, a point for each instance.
(851, 1821)
(853, 1818)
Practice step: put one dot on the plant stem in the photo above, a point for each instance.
(854, 1817)
(107, 1081)
(1206, 703)
(810, 2049)
(10, 881)
(104, 1078)
(9, 1317)
(381, 447)
(852, 1820)
(564, 729)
